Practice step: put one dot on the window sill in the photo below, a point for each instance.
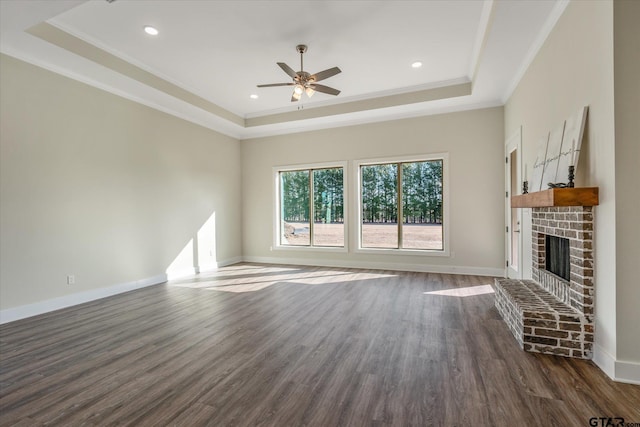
(404, 252)
(310, 249)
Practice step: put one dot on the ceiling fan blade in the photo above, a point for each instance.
(277, 84)
(324, 89)
(287, 70)
(325, 74)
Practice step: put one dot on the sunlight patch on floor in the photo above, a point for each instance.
(464, 292)
(253, 283)
(243, 270)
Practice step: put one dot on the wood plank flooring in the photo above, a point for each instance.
(257, 345)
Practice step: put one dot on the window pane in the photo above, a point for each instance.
(422, 205)
(294, 202)
(379, 206)
(328, 207)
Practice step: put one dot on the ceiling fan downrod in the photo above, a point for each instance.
(301, 48)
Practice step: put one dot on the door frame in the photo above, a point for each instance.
(513, 143)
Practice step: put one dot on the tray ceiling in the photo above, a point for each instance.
(209, 56)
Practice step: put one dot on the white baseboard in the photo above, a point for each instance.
(628, 372)
(617, 370)
(604, 361)
(230, 261)
(423, 268)
(183, 272)
(29, 310)
(191, 271)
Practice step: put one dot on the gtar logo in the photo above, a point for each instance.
(606, 422)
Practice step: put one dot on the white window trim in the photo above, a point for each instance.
(357, 202)
(276, 206)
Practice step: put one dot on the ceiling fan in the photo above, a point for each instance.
(305, 82)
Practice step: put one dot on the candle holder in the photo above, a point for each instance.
(525, 187)
(571, 176)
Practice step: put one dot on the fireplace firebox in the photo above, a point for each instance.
(557, 258)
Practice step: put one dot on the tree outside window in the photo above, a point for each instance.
(402, 205)
(316, 194)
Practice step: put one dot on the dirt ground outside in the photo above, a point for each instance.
(414, 236)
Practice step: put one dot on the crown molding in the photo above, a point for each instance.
(548, 26)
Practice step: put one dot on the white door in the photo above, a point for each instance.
(513, 216)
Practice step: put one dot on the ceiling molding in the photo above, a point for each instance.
(195, 115)
(432, 94)
(360, 118)
(70, 42)
(343, 100)
(546, 29)
(482, 35)
(61, 38)
(131, 60)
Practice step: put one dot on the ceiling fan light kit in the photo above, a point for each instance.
(305, 82)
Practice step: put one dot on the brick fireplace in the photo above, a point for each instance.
(576, 225)
(553, 314)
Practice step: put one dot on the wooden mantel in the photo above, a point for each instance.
(584, 196)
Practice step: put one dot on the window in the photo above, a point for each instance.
(311, 207)
(402, 204)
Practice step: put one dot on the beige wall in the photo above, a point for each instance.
(574, 68)
(626, 35)
(474, 141)
(103, 188)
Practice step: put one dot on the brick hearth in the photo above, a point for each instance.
(550, 314)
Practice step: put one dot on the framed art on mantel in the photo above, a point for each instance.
(557, 151)
(571, 144)
(553, 156)
(538, 166)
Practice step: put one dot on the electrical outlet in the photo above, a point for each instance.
(71, 279)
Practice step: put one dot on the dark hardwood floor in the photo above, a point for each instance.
(262, 345)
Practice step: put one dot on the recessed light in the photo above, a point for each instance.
(417, 64)
(253, 96)
(151, 30)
